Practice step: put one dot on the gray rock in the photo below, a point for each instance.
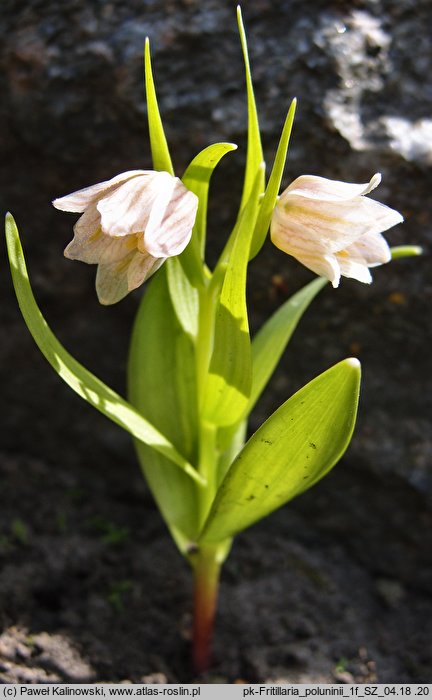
(73, 113)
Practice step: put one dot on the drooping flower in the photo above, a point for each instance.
(332, 228)
(129, 226)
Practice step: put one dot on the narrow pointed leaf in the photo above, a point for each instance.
(272, 189)
(186, 272)
(271, 340)
(158, 143)
(289, 453)
(197, 179)
(254, 156)
(83, 382)
(230, 372)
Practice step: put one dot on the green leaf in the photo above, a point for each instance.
(255, 155)
(184, 296)
(269, 344)
(273, 337)
(229, 443)
(73, 373)
(186, 272)
(272, 189)
(289, 453)
(230, 372)
(158, 143)
(162, 386)
(197, 179)
(405, 251)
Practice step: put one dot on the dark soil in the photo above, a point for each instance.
(92, 588)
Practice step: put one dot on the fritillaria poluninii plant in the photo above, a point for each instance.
(195, 374)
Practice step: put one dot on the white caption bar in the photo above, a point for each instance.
(217, 691)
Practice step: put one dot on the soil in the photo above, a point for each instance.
(93, 590)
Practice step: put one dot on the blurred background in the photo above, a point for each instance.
(337, 585)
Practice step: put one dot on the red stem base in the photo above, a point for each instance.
(206, 583)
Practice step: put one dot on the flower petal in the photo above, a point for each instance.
(324, 266)
(355, 268)
(332, 228)
(320, 188)
(372, 248)
(171, 221)
(112, 280)
(126, 209)
(335, 225)
(78, 201)
(90, 245)
(141, 267)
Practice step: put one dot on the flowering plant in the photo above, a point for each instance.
(194, 373)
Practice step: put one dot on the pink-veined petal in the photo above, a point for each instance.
(90, 245)
(112, 280)
(169, 228)
(336, 224)
(372, 248)
(141, 267)
(320, 188)
(354, 268)
(127, 208)
(332, 227)
(324, 266)
(78, 201)
(308, 251)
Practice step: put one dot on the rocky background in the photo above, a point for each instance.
(72, 113)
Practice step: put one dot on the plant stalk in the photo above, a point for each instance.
(206, 583)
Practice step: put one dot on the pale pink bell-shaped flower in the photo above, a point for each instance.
(130, 225)
(332, 228)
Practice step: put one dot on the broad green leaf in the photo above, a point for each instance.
(229, 447)
(158, 143)
(162, 386)
(272, 339)
(272, 189)
(255, 155)
(83, 382)
(289, 453)
(230, 372)
(405, 251)
(269, 344)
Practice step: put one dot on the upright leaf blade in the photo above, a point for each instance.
(158, 143)
(272, 189)
(254, 157)
(83, 382)
(290, 452)
(230, 372)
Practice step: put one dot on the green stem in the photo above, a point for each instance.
(206, 582)
(207, 467)
(204, 340)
